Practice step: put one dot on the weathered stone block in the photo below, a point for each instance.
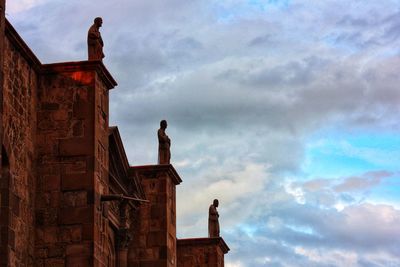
(56, 252)
(71, 234)
(158, 238)
(201, 252)
(78, 128)
(77, 167)
(14, 204)
(5, 215)
(75, 147)
(80, 108)
(41, 253)
(55, 199)
(158, 211)
(78, 262)
(77, 181)
(87, 232)
(61, 115)
(76, 215)
(46, 217)
(82, 249)
(51, 182)
(74, 199)
(54, 262)
(51, 234)
(49, 106)
(153, 263)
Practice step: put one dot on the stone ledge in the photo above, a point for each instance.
(76, 66)
(217, 241)
(159, 168)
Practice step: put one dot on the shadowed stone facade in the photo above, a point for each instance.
(60, 156)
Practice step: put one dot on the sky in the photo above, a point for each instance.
(286, 111)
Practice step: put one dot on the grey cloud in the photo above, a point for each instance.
(326, 192)
(277, 118)
(392, 31)
(371, 28)
(354, 229)
(359, 183)
(260, 40)
(293, 73)
(348, 20)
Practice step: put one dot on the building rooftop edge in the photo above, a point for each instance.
(17, 41)
(204, 241)
(160, 167)
(94, 65)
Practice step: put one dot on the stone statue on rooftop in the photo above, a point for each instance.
(164, 144)
(94, 41)
(213, 221)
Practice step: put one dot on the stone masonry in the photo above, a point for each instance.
(156, 225)
(72, 164)
(18, 155)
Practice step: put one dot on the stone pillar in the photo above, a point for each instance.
(72, 165)
(155, 232)
(201, 252)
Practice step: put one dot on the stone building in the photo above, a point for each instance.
(63, 170)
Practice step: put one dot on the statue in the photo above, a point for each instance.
(94, 41)
(164, 143)
(213, 223)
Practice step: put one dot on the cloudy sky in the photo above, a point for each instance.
(287, 111)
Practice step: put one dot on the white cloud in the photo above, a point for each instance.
(333, 258)
(234, 264)
(296, 192)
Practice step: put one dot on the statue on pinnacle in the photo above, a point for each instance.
(164, 144)
(94, 41)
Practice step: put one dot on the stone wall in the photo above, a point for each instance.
(2, 28)
(155, 232)
(18, 177)
(64, 204)
(72, 166)
(4, 210)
